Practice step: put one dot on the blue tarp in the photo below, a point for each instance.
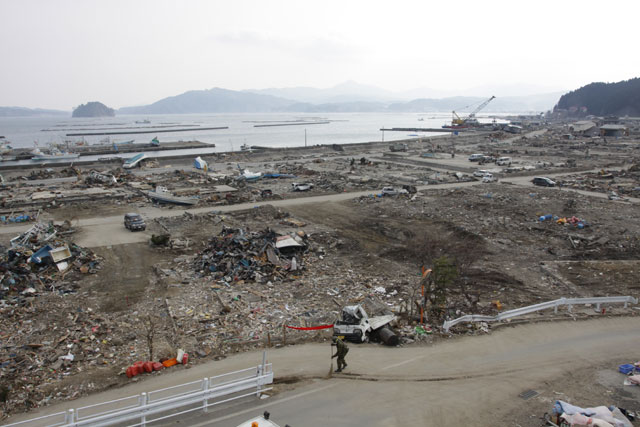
(43, 252)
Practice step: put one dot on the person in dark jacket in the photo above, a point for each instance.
(341, 352)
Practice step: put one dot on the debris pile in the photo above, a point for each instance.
(49, 173)
(236, 254)
(573, 220)
(40, 260)
(51, 337)
(96, 177)
(17, 218)
(42, 335)
(617, 183)
(565, 413)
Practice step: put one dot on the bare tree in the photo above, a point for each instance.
(149, 325)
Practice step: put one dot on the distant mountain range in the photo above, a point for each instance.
(345, 92)
(214, 100)
(345, 97)
(342, 98)
(351, 91)
(30, 112)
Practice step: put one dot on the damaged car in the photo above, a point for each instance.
(356, 326)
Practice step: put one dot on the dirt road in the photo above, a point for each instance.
(109, 230)
(471, 381)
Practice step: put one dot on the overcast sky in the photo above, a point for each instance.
(59, 54)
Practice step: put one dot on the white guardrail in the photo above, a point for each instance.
(158, 405)
(542, 306)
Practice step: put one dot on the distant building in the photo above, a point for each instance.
(614, 130)
(584, 128)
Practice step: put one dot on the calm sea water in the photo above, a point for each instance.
(344, 128)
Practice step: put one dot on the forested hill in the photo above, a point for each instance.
(93, 109)
(603, 99)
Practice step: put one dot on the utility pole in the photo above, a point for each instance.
(305, 138)
(382, 133)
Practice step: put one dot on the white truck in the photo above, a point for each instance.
(503, 161)
(357, 326)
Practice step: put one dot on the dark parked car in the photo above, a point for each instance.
(134, 222)
(543, 181)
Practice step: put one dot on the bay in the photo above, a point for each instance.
(343, 128)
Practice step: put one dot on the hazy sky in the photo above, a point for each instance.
(59, 54)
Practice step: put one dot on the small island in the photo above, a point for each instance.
(93, 109)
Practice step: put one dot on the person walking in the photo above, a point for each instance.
(341, 351)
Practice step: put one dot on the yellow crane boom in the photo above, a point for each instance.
(471, 118)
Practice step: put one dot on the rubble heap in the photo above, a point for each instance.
(42, 259)
(236, 254)
(39, 329)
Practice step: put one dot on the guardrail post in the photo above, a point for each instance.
(555, 308)
(205, 401)
(260, 373)
(144, 399)
(69, 417)
(598, 307)
(626, 303)
(569, 307)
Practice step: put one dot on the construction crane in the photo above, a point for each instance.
(471, 118)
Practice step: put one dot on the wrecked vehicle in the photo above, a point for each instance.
(302, 187)
(391, 191)
(357, 326)
(411, 189)
(615, 196)
(96, 177)
(134, 222)
(398, 147)
(488, 177)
